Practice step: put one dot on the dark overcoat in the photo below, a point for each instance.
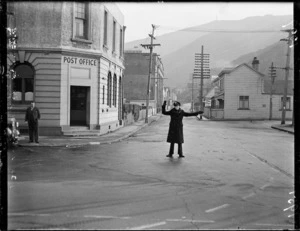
(175, 134)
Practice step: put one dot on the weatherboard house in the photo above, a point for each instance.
(243, 93)
(69, 59)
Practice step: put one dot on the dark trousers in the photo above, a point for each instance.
(33, 129)
(171, 152)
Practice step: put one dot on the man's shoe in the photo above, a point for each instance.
(181, 156)
(30, 141)
(37, 142)
(171, 156)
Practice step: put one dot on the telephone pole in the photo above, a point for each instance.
(149, 46)
(201, 71)
(273, 76)
(287, 69)
(201, 84)
(192, 93)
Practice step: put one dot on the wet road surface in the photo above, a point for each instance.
(235, 175)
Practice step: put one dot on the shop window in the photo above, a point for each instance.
(115, 91)
(287, 103)
(109, 89)
(23, 84)
(244, 102)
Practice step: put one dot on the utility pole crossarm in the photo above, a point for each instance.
(149, 46)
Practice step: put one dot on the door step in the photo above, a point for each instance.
(78, 128)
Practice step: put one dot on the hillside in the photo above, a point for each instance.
(169, 42)
(223, 47)
(177, 49)
(275, 53)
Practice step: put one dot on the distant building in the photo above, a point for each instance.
(69, 60)
(243, 92)
(136, 79)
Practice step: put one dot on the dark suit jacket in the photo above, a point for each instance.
(32, 116)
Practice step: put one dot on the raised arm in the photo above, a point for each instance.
(164, 109)
(192, 113)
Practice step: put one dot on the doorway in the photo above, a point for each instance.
(79, 106)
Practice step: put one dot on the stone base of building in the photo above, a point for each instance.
(66, 129)
(110, 127)
(43, 131)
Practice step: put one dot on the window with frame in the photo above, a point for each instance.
(121, 42)
(103, 94)
(120, 98)
(23, 84)
(222, 84)
(244, 102)
(115, 91)
(114, 36)
(109, 89)
(105, 27)
(287, 103)
(81, 20)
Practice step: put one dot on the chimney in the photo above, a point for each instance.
(255, 63)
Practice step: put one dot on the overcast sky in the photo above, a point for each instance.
(174, 16)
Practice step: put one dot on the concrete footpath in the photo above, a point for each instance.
(112, 137)
(284, 127)
(108, 138)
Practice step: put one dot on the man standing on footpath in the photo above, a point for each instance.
(32, 116)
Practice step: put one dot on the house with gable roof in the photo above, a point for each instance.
(243, 93)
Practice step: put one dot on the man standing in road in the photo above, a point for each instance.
(32, 116)
(175, 134)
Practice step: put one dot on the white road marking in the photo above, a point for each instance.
(28, 214)
(249, 195)
(195, 221)
(94, 143)
(148, 226)
(86, 216)
(217, 208)
(108, 217)
(275, 224)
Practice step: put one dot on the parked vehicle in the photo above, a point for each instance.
(12, 132)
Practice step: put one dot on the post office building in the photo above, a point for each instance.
(69, 59)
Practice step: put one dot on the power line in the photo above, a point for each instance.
(220, 31)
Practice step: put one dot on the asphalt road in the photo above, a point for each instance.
(236, 175)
